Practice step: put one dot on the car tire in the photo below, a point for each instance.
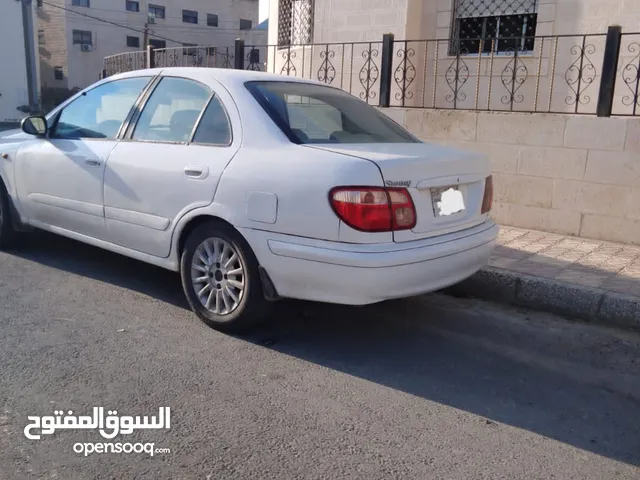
(8, 234)
(204, 256)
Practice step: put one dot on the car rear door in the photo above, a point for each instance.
(169, 163)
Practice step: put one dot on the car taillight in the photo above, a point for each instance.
(374, 209)
(487, 200)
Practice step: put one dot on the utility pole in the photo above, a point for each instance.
(30, 52)
(145, 39)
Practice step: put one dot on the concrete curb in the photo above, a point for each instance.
(553, 296)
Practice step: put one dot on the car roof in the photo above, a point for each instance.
(228, 77)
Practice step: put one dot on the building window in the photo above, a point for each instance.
(58, 73)
(189, 16)
(245, 24)
(132, 6)
(41, 37)
(133, 42)
(295, 22)
(82, 37)
(157, 43)
(156, 11)
(505, 25)
(212, 20)
(191, 49)
(80, 3)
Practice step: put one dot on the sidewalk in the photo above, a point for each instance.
(588, 279)
(8, 126)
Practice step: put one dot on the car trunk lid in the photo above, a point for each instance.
(446, 184)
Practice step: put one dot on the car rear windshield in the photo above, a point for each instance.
(309, 113)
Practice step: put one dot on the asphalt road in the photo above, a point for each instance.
(429, 388)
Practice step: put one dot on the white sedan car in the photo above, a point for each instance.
(253, 186)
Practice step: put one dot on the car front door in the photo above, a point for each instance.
(169, 163)
(59, 179)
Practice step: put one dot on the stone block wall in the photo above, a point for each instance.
(53, 45)
(568, 174)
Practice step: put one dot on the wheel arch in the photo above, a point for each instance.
(194, 223)
(268, 288)
(16, 218)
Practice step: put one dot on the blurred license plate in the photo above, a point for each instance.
(446, 201)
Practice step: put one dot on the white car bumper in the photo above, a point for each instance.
(357, 274)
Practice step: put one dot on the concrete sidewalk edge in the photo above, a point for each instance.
(553, 296)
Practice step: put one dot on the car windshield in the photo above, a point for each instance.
(309, 113)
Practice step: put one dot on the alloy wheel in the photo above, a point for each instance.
(218, 276)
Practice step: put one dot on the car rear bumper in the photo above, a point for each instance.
(357, 274)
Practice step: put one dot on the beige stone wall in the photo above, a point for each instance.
(359, 20)
(53, 52)
(548, 74)
(367, 20)
(567, 174)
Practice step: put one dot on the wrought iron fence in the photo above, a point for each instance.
(218, 57)
(252, 57)
(627, 83)
(551, 74)
(580, 74)
(124, 62)
(354, 67)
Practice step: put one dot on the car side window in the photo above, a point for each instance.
(214, 127)
(99, 112)
(172, 111)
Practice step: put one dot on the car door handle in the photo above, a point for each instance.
(196, 172)
(93, 163)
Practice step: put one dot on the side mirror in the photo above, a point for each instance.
(35, 125)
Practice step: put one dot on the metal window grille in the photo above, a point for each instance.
(493, 26)
(295, 22)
